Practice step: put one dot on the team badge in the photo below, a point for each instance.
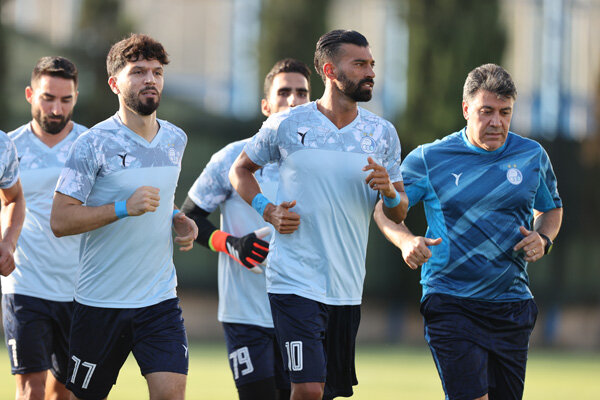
(173, 155)
(514, 176)
(367, 144)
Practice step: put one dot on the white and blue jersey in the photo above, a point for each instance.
(128, 263)
(46, 266)
(242, 294)
(321, 167)
(9, 163)
(476, 200)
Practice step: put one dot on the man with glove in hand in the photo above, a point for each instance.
(244, 309)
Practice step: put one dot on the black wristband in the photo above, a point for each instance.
(549, 243)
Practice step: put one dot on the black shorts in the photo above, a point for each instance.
(37, 334)
(254, 355)
(102, 338)
(479, 347)
(317, 341)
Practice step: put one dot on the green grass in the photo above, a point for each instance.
(384, 372)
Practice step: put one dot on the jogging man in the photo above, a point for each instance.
(117, 188)
(38, 296)
(334, 158)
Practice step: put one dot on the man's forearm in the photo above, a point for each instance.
(72, 219)
(395, 233)
(549, 222)
(12, 216)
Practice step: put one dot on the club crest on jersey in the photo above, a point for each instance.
(367, 144)
(173, 156)
(514, 175)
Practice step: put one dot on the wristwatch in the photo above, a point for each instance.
(549, 243)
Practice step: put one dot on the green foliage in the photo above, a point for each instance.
(448, 38)
(291, 29)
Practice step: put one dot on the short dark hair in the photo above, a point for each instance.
(54, 66)
(492, 78)
(133, 48)
(283, 66)
(329, 44)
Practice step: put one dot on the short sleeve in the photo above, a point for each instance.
(212, 186)
(81, 168)
(9, 163)
(393, 156)
(263, 147)
(415, 174)
(546, 197)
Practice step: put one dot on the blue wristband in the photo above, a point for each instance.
(121, 209)
(259, 202)
(391, 202)
(175, 212)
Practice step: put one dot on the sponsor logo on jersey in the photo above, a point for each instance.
(514, 175)
(123, 157)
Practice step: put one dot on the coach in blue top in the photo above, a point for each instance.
(492, 206)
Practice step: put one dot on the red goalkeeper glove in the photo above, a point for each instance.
(247, 250)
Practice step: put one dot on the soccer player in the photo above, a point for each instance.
(492, 206)
(334, 158)
(37, 298)
(117, 188)
(244, 309)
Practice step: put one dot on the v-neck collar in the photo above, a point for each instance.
(43, 145)
(331, 125)
(130, 133)
(479, 150)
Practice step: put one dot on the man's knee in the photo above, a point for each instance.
(31, 386)
(166, 385)
(307, 391)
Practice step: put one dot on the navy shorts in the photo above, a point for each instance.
(317, 341)
(37, 334)
(479, 347)
(102, 338)
(254, 355)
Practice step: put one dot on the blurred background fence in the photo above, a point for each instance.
(221, 49)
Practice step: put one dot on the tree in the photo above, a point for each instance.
(291, 29)
(448, 38)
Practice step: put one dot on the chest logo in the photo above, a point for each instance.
(456, 177)
(173, 155)
(514, 176)
(302, 131)
(367, 144)
(123, 157)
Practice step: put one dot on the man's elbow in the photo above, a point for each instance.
(55, 225)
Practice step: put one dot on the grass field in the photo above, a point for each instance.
(384, 373)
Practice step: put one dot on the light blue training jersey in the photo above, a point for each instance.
(46, 266)
(9, 163)
(128, 263)
(476, 200)
(320, 167)
(242, 294)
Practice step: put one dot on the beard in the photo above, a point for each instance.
(133, 101)
(52, 127)
(354, 90)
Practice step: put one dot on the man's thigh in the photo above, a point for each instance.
(478, 347)
(340, 346)
(166, 385)
(101, 340)
(300, 327)
(159, 338)
(36, 332)
(253, 354)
